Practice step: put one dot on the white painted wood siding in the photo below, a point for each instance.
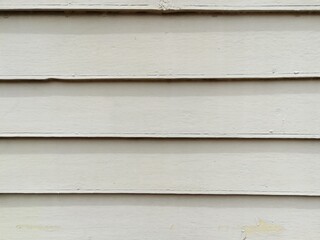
(268, 167)
(100, 217)
(241, 109)
(159, 46)
(163, 5)
(133, 125)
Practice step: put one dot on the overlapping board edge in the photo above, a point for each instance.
(161, 6)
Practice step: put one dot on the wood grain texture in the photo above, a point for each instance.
(258, 167)
(163, 5)
(159, 47)
(242, 109)
(68, 217)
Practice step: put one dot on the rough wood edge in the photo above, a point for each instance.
(190, 77)
(164, 192)
(162, 135)
(160, 6)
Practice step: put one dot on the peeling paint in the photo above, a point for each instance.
(262, 227)
(164, 5)
(38, 227)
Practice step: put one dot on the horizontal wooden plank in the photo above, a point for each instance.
(163, 5)
(68, 217)
(159, 47)
(258, 167)
(205, 109)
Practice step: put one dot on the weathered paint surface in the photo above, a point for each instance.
(269, 167)
(262, 227)
(23, 227)
(87, 46)
(101, 217)
(241, 109)
(112, 46)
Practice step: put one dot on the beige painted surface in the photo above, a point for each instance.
(240, 109)
(196, 46)
(162, 5)
(270, 167)
(100, 217)
(105, 118)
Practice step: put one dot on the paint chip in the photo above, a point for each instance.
(262, 227)
(38, 227)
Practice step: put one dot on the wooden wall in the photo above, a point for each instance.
(169, 119)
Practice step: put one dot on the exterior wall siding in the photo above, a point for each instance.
(177, 119)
